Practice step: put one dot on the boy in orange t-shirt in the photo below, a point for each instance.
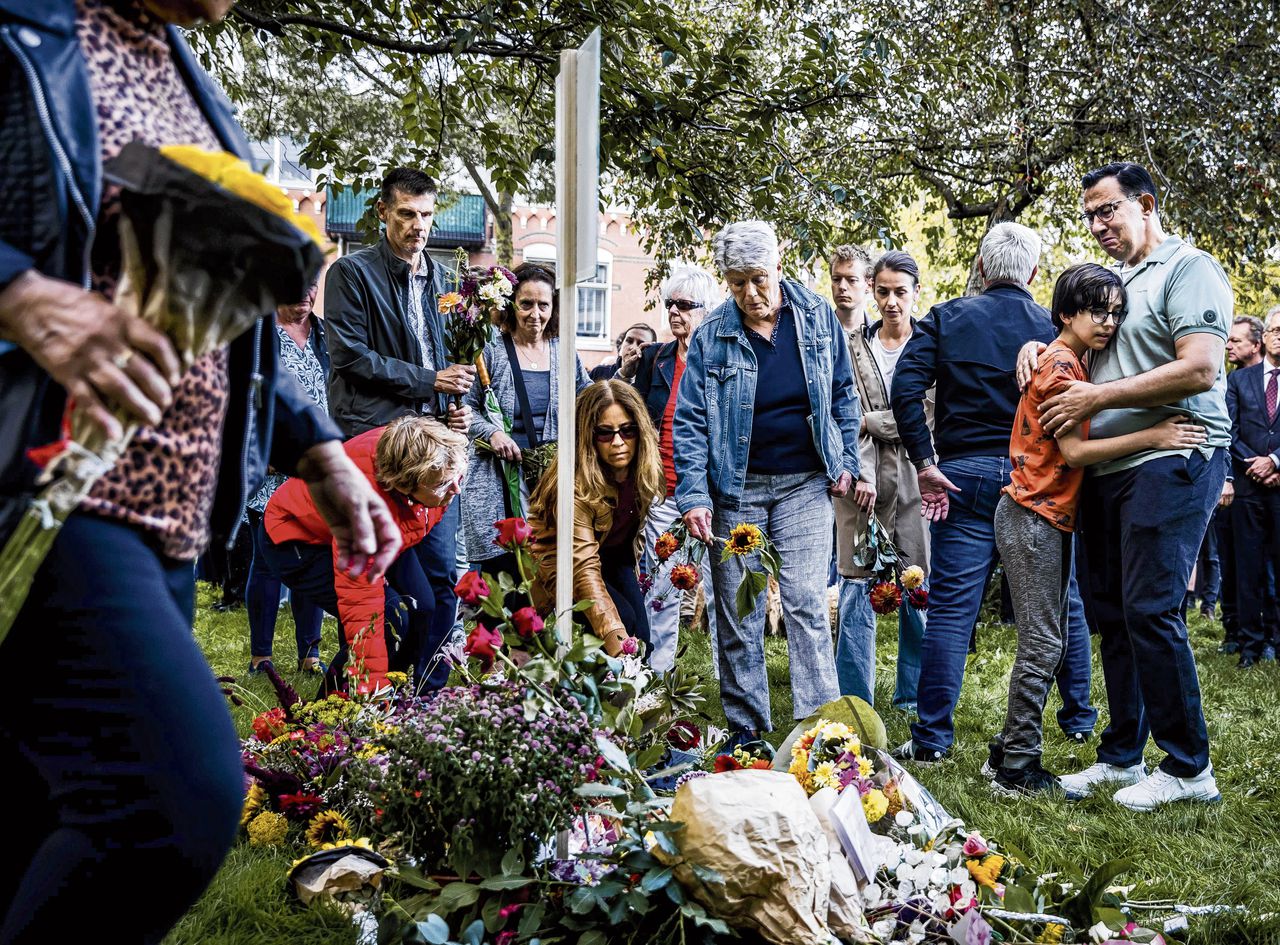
(1036, 514)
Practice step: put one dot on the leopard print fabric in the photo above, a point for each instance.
(165, 481)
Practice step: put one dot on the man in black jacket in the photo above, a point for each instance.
(388, 360)
(968, 347)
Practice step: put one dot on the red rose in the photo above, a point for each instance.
(301, 806)
(727, 763)
(919, 598)
(472, 587)
(527, 622)
(684, 735)
(684, 577)
(483, 644)
(665, 546)
(513, 532)
(886, 597)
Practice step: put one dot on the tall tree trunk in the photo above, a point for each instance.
(503, 246)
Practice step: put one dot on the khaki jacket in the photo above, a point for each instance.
(591, 523)
(885, 464)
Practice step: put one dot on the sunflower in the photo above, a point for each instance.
(268, 829)
(744, 539)
(986, 871)
(254, 801)
(326, 827)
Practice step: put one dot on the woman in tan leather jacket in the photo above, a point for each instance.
(617, 477)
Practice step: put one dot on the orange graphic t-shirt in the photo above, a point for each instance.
(1041, 479)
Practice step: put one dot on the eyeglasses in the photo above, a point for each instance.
(685, 305)
(1106, 211)
(628, 431)
(1271, 331)
(1100, 316)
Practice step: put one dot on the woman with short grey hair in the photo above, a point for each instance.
(769, 454)
(688, 293)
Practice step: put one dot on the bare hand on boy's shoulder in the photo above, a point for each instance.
(1063, 412)
(1028, 358)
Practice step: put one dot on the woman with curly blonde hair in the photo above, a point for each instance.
(617, 477)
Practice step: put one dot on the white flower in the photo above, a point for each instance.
(903, 871)
(490, 292)
(938, 877)
(903, 818)
(913, 856)
(958, 876)
(916, 932)
(884, 928)
(905, 890)
(968, 888)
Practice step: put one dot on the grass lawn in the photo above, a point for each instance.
(1193, 855)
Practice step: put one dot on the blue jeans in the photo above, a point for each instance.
(262, 600)
(119, 754)
(964, 548)
(856, 646)
(795, 512)
(308, 570)
(664, 623)
(1142, 529)
(438, 555)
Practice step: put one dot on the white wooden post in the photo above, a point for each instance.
(577, 201)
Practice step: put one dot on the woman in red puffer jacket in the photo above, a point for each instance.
(417, 466)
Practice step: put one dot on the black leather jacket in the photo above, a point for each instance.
(377, 372)
(50, 191)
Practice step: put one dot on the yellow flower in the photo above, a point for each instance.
(397, 679)
(986, 871)
(268, 829)
(874, 804)
(864, 767)
(800, 771)
(326, 827)
(253, 802)
(230, 173)
(913, 577)
(448, 302)
(744, 539)
(1052, 934)
(825, 775)
(836, 731)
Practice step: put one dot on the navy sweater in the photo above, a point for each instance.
(968, 347)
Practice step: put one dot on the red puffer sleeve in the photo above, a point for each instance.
(360, 611)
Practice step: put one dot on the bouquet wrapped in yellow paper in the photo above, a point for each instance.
(208, 247)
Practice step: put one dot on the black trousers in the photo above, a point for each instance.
(1256, 524)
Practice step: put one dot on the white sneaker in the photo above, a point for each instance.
(1163, 788)
(1083, 784)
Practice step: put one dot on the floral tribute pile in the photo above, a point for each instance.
(530, 802)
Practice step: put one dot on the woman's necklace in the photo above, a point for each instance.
(532, 355)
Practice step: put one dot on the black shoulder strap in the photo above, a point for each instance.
(522, 398)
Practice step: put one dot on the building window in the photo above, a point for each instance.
(593, 296)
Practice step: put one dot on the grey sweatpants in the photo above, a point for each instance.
(1037, 561)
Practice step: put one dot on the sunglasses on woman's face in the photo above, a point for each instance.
(628, 431)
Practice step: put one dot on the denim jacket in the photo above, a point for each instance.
(712, 425)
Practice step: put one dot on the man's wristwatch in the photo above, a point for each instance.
(922, 464)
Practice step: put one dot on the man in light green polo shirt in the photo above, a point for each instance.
(1143, 517)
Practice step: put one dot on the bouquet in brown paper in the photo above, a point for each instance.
(208, 247)
(753, 852)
